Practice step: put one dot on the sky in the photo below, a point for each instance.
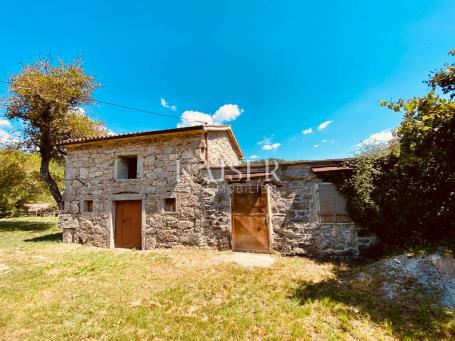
(295, 79)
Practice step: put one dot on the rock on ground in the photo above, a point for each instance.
(434, 271)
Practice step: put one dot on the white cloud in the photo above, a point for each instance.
(165, 104)
(378, 138)
(328, 141)
(307, 131)
(225, 113)
(7, 138)
(268, 145)
(4, 136)
(4, 123)
(273, 146)
(324, 125)
(316, 146)
(254, 157)
(194, 118)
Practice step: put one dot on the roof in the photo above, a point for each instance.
(246, 176)
(260, 164)
(329, 169)
(200, 128)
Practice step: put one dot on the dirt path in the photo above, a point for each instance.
(246, 259)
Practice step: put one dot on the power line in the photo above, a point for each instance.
(137, 109)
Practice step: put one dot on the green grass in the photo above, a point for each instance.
(56, 291)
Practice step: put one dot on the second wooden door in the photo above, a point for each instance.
(249, 220)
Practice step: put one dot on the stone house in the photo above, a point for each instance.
(172, 187)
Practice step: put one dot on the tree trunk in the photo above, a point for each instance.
(47, 178)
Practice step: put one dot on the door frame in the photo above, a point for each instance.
(268, 217)
(111, 220)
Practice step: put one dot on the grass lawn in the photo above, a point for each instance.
(49, 290)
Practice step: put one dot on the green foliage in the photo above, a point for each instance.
(406, 193)
(444, 78)
(20, 182)
(48, 99)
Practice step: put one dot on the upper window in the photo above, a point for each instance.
(332, 204)
(169, 205)
(127, 167)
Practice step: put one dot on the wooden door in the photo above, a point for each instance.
(249, 220)
(128, 218)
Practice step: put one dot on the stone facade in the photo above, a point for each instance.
(295, 223)
(185, 165)
(221, 151)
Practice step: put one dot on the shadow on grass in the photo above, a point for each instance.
(25, 224)
(412, 314)
(52, 237)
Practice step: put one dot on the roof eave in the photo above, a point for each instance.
(131, 135)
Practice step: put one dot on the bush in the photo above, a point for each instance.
(405, 192)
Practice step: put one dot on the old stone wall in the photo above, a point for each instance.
(296, 226)
(174, 167)
(168, 167)
(221, 151)
(297, 229)
(216, 205)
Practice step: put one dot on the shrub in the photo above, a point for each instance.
(405, 192)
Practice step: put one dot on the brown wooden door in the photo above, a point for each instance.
(249, 220)
(128, 224)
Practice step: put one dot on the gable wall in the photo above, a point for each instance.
(221, 151)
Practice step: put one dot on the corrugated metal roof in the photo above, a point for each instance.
(261, 165)
(329, 169)
(244, 176)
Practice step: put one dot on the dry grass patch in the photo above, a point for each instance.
(58, 291)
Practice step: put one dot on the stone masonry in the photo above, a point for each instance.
(177, 164)
(296, 225)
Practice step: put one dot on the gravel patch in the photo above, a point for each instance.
(434, 271)
(246, 259)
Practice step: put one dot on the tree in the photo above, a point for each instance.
(407, 194)
(20, 182)
(48, 100)
(444, 78)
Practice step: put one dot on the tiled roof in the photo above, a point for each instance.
(126, 135)
(159, 132)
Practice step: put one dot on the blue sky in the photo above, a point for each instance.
(280, 67)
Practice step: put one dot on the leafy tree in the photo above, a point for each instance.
(20, 182)
(48, 99)
(406, 193)
(444, 78)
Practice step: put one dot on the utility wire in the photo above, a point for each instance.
(137, 109)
